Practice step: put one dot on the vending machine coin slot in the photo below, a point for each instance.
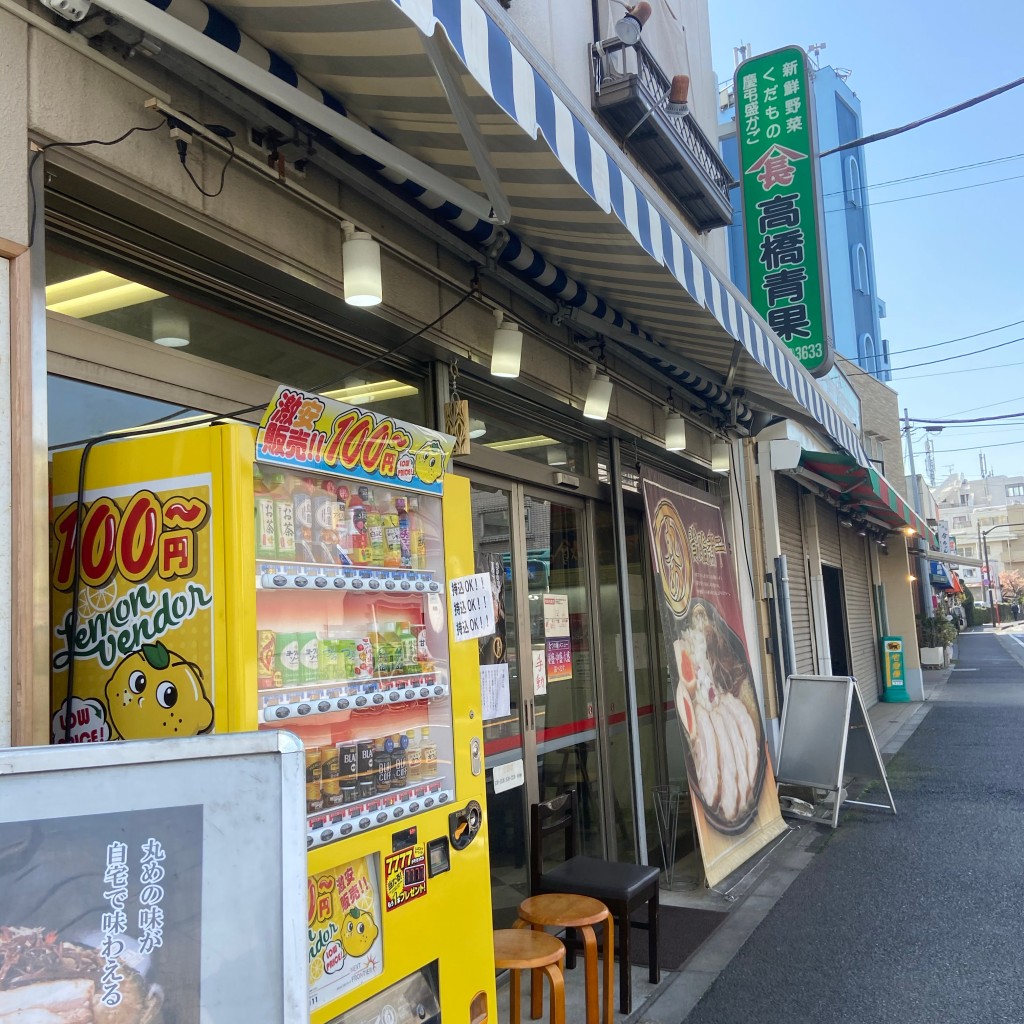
(464, 824)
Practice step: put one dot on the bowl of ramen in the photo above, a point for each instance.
(717, 707)
(47, 980)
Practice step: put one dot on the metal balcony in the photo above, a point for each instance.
(631, 94)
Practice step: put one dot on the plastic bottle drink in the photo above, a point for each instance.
(392, 540)
(399, 761)
(302, 505)
(374, 532)
(428, 754)
(324, 534)
(417, 539)
(357, 527)
(404, 539)
(266, 533)
(341, 525)
(309, 657)
(407, 642)
(413, 758)
(284, 519)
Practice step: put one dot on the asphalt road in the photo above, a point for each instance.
(918, 917)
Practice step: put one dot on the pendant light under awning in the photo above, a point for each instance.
(360, 260)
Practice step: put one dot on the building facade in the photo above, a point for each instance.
(511, 166)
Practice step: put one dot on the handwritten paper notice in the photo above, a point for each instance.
(472, 606)
(494, 691)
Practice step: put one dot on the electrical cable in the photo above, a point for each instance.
(925, 195)
(927, 174)
(950, 373)
(933, 362)
(976, 419)
(147, 430)
(72, 145)
(977, 447)
(951, 341)
(890, 132)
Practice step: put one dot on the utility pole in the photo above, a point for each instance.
(924, 586)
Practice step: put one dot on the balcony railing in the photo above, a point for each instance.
(631, 95)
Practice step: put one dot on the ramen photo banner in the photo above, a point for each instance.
(735, 804)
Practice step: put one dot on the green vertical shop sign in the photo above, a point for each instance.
(781, 204)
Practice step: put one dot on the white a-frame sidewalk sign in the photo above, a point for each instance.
(827, 740)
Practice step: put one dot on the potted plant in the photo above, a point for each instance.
(937, 635)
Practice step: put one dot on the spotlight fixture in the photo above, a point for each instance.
(675, 431)
(557, 455)
(477, 429)
(506, 348)
(360, 259)
(170, 328)
(678, 95)
(720, 457)
(845, 521)
(631, 24)
(599, 396)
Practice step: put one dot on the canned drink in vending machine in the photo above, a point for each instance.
(348, 771)
(286, 658)
(330, 777)
(367, 775)
(314, 778)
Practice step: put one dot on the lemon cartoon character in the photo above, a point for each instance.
(358, 932)
(430, 462)
(155, 693)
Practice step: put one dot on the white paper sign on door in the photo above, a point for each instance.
(540, 671)
(494, 692)
(472, 606)
(556, 615)
(509, 776)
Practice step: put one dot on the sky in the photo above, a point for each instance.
(946, 265)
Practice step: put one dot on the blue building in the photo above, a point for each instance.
(857, 311)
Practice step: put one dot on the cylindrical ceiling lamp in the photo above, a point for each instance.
(506, 348)
(360, 259)
(599, 397)
(720, 456)
(675, 432)
(170, 328)
(629, 27)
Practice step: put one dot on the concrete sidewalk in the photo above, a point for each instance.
(748, 896)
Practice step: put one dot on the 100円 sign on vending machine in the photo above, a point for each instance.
(352, 531)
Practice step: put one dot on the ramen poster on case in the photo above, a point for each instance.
(735, 804)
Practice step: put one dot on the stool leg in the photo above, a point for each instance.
(625, 981)
(609, 972)
(554, 973)
(536, 988)
(513, 996)
(590, 970)
(652, 939)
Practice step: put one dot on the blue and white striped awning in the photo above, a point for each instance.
(585, 226)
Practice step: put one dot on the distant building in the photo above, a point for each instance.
(857, 310)
(993, 505)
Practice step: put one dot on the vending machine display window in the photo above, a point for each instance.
(352, 645)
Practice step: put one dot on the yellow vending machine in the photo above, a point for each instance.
(315, 575)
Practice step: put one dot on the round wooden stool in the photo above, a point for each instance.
(518, 949)
(566, 910)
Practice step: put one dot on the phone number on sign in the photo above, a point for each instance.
(807, 352)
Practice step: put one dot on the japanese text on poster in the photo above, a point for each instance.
(559, 659)
(405, 876)
(472, 606)
(345, 944)
(495, 693)
(316, 433)
(556, 615)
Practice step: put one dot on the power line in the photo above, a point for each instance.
(977, 419)
(950, 373)
(925, 195)
(978, 447)
(951, 341)
(929, 174)
(890, 132)
(934, 362)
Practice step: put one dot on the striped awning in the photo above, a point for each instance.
(585, 227)
(862, 489)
